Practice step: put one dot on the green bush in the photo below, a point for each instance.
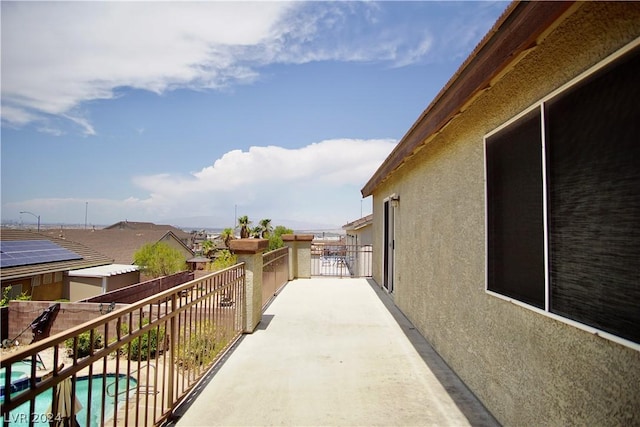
(84, 346)
(159, 259)
(223, 260)
(275, 238)
(201, 346)
(6, 298)
(146, 345)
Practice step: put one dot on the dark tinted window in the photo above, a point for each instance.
(515, 211)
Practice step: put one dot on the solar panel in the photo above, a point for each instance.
(15, 253)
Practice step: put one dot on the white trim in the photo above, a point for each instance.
(540, 104)
(592, 70)
(486, 216)
(512, 120)
(104, 270)
(595, 331)
(545, 212)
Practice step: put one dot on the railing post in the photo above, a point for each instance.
(173, 336)
(250, 252)
(299, 255)
(290, 242)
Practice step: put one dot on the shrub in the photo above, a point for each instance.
(201, 345)
(159, 259)
(84, 346)
(275, 238)
(6, 297)
(223, 260)
(146, 346)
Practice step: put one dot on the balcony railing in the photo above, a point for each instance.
(275, 273)
(336, 259)
(140, 361)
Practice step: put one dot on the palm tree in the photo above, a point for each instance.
(207, 247)
(255, 232)
(227, 235)
(266, 228)
(243, 223)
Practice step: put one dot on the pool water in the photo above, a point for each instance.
(20, 376)
(19, 416)
(17, 372)
(14, 376)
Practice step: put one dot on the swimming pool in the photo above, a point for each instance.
(17, 372)
(20, 375)
(19, 416)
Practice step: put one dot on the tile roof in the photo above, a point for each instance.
(147, 226)
(119, 244)
(90, 257)
(359, 223)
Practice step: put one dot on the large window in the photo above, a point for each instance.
(563, 202)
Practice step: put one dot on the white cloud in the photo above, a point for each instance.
(274, 180)
(319, 183)
(58, 55)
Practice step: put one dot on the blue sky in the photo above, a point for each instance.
(186, 113)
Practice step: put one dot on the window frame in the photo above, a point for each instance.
(540, 105)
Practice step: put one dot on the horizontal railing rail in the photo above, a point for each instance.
(134, 365)
(275, 273)
(341, 260)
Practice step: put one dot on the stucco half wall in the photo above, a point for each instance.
(527, 368)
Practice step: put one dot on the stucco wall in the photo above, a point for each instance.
(84, 287)
(22, 313)
(527, 368)
(120, 281)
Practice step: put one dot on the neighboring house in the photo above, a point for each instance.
(121, 243)
(89, 282)
(360, 231)
(359, 242)
(133, 225)
(183, 236)
(38, 265)
(506, 222)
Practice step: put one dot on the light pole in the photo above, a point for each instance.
(37, 216)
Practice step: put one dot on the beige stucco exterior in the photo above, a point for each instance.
(526, 367)
(86, 287)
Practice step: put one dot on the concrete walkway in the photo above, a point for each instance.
(333, 352)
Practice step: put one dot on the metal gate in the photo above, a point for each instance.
(340, 260)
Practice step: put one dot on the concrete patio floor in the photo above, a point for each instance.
(332, 352)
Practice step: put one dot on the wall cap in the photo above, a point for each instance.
(248, 246)
(297, 237)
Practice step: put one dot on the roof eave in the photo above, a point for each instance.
(516, 31)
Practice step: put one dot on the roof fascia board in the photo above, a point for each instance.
(515, 32)
(177, 239)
